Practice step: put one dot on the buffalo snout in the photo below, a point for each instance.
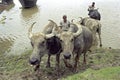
(34, 61)
(67, 56)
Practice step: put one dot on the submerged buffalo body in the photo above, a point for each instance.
(75, 44)
(28, 3)
(44, 44)
(7, 1)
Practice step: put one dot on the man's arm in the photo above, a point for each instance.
(60, 25)
(68, 23)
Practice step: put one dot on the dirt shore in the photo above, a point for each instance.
(16, 67)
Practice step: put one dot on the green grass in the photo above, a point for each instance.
(102, 64)
(14, 63)
(111, 73)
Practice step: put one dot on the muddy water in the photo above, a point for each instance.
(15, 21)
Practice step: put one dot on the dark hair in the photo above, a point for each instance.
(93, 4)
(64, 16)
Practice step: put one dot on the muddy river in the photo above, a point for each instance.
(15, 21)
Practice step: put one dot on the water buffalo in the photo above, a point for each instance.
(28, 3)
(75, 43)
(94, 14)
(44, 44)
(7, 1)
(94, 26)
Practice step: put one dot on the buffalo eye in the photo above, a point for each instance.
(61, 40)
(42, 44)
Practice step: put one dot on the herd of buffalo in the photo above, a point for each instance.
(67, 45)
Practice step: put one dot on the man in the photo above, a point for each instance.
(92, 7)
(93, 13)
(65, 24)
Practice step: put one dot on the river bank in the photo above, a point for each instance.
(105, 60)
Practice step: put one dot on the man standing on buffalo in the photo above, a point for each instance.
(65, 24)
(91, 7)
(93, 13)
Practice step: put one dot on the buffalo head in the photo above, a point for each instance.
(38, 42)
(67, 41)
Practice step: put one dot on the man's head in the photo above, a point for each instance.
(93, 4)
(64, 18)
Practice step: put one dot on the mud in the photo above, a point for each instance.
(17, 67)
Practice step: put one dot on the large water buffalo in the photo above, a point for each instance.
(75, 43)
(95, 27)
(94, 14)
(44, 43)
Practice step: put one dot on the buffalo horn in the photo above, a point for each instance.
(79, 30)
(30, 34)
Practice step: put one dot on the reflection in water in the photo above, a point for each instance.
(29, 13)
(28, 16)
(2, 8)
(10, 6)
(5, 44)
(6, 7)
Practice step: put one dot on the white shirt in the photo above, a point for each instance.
(91, 8)
(65, 26)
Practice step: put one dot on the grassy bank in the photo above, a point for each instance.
(110, 73)
(102, 64)
(14, 63)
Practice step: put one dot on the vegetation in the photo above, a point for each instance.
(102, 64)
(110, 73)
